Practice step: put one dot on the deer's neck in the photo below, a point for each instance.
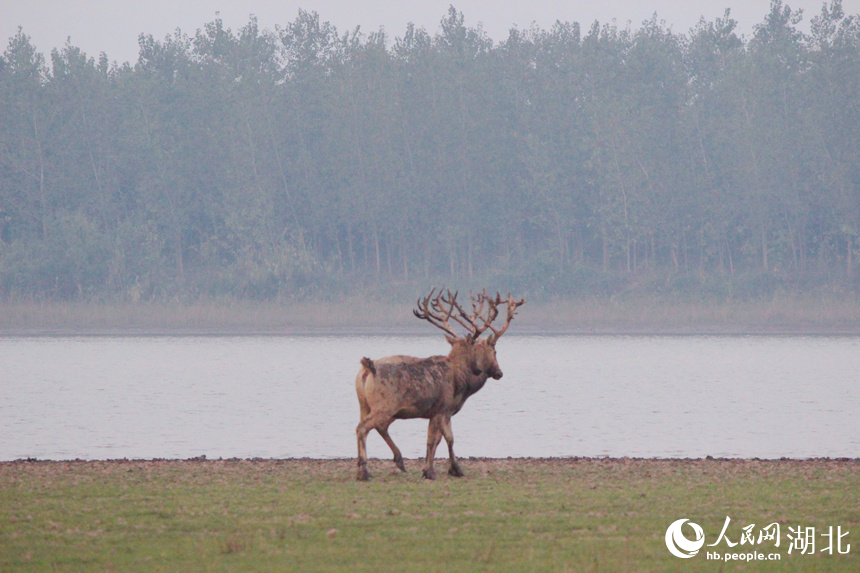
(475, 383)
(466, 381)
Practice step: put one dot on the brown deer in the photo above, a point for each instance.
(400, 387)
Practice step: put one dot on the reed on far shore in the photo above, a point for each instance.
(358, 314)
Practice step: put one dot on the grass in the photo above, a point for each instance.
(640, 315)
(505, 515)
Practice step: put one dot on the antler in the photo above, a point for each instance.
(430, 309)
(444, 307)
(512, 311)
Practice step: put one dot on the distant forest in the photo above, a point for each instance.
(306, 161)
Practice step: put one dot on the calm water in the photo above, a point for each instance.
(294, 396)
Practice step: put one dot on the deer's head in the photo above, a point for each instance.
(479, 353)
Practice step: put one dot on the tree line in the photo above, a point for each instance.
(303, 161)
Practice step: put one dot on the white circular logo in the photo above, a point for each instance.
(680, 546)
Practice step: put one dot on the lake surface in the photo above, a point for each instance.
(294, 396)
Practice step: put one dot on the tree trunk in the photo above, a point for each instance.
(605, 252)
(376, 247)
(43, 195)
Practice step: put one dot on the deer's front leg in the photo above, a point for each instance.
(454, 469)
(434, 436)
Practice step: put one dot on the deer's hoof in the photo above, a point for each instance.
(363, 474)
(429, 474)
(455, 471)
(399, 463)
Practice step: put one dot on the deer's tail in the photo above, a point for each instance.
(368, 363)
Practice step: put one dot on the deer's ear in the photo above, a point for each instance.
(491, 340)
(451, 340)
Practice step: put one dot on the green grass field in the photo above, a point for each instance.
(505, 515)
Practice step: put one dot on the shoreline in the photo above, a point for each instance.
(419, 461)
(374, 332)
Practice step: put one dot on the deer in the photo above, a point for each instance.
(434, 388)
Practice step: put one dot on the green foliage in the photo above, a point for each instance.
(303, 162)
(73, 262)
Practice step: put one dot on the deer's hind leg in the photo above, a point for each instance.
(398, 457)
(363, 428)
(373, 421)
(361, 435)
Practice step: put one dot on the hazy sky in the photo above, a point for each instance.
(112, 26)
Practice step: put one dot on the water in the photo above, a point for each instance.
(294, 396)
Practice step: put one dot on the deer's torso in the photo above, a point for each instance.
(421, 387)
